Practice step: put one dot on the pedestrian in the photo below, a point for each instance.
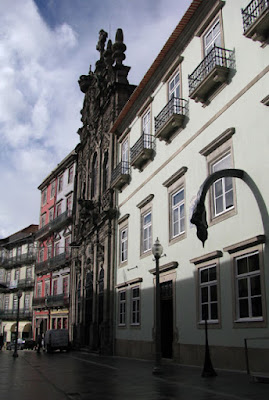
(39, 343)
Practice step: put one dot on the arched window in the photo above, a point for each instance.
(94, 176)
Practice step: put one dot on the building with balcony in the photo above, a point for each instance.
(54, 256)
(204, 105)
(17, 267)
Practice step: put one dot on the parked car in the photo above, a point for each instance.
(20, 344)
(56, 339)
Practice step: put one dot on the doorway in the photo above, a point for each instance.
(166, 289)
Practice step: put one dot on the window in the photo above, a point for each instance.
(19, 251)
(54, 287)
(122, 307)
(146, 126)
(94, 174)
(178, 213)
(39, 289)
(6, 304)
(15, 302)
(69, 204)
(41, 255)
(223, 198)
(174, 93)
(49, 251)
(123, 245)
(52, 189)
(2, 275)
(58, 209)
(60, 183)
(10, 253)
(125, 156)
(70, 174)
(27, 302)
(43, 220)
(47, 288)
(65, 323)
(208, 293)
(57, 249)
(105, 172)
(67, 248)
(8, 277)
(53, 323)
(146, 232)
(29, 273)
(17, 275)
(212, 37)
(248, 287)
(51, 214)
(59, 323)
(44, 197)
(135, 306)
(65, 286)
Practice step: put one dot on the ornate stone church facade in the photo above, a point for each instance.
(93, 260)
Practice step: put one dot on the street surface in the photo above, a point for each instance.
(80, 375)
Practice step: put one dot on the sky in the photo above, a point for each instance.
(45, 45)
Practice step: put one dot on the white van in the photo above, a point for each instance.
(56, 339)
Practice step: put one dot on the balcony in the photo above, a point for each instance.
(42, 267)
(26, 283)
(120, 175)
(61, 220)
(210, 74)
(11, 315)
(170, 119)
(59, 300)
(256, 20)
(43, 232)
(39, 302)
(142, 151)
(58, 261)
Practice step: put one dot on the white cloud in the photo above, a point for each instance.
(40, 100)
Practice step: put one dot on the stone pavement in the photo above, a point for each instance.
(80, 375)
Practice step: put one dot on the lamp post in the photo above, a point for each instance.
(157, 250)
(19, 294)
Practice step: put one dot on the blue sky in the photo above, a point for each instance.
(45, 45)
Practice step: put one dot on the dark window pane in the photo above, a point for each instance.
(256, 303)
(228, 183)
(243, 308)
(213, 293)
(204, 275)
(219, 205)
(243, 287)
(214, 311)
(253, 262)
(204, 294)
(204, 311)
(212, 274)
(229, 198)
(255, 284)
(242, 267)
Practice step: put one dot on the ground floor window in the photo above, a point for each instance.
(135, 306)
(122, 307)
(208, 293)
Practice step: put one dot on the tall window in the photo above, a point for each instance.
(43, 220)
(54, 287)
(15, 302)
(19, 251)
(41, 255)
(123, 245)
(178, 213)
(69, 204)
(135, 304)
(17, 275)
(105, 172)
(174, 87)
(44, 197)
(122, 307)
(51, 214)
(49, 251)
(65, 286)
(223, 198)
(2, 275)
(58, 209)
(70, 174)
(8, 277)
(125, 156)
(29, 273)
(94, 176)
(60, 183)
(6, 304)
(27, 302)
(57, 249)
(248, 287)
(67, 245)
(212, 37)
(208, 293)
(146, 232)
(146, 129)
(52, 189)
(39, 289)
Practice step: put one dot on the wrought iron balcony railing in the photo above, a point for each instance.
(43, 231)
(170, 118)
(143, 150)
(59, 300)
(24, 313)
(58, 260)
(39, 302)
(60, 220)
(120, 175)
(26, 283)
(210, 73)
(42, 267)
(256, 19)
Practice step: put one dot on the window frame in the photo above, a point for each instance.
(52, 189)
(137, 312)
(144, 228)
(70, 174)
(122, 322)
(60, 183)
(44, 196)
(207, 27)
(122, 251)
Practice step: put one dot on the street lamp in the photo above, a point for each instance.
(157, 250)
(19, 294)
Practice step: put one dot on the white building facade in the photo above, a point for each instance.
(200, 108)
